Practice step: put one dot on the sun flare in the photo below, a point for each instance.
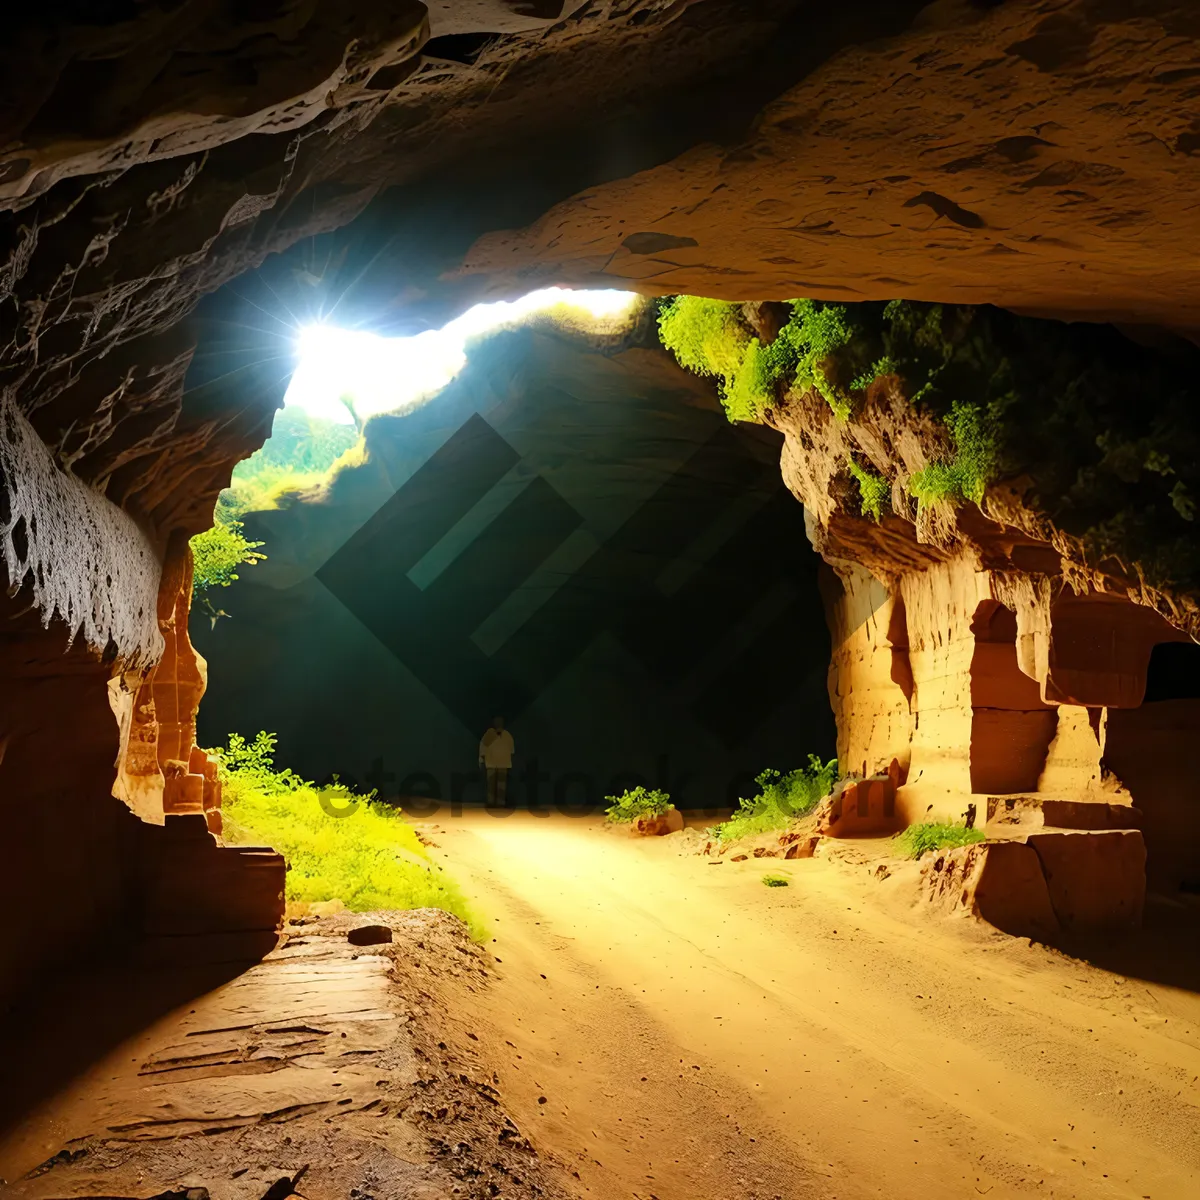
(394, 374)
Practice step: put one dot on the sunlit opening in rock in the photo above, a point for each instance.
(344, 373)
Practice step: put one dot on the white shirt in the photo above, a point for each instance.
(496, 749)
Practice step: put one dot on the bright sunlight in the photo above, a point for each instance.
(394, 374)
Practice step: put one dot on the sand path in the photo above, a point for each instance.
(675, 1030)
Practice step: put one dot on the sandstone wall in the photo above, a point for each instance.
(108, 808)
(1002, 675)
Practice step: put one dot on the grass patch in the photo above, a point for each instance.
(338, 845)
(775, 881)
(933, 835)
(637, 802)
(780, 799)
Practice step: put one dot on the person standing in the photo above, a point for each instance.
(495, 756)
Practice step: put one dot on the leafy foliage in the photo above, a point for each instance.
(298, 455)
(775, 880)
(706, 336)
(1107, 430)
(217, 554)
(305, 444)
(338, 845)
(780, 799)
(711, 338)
(932, 835)
(974, 465)
(637, 802)
(874, 491)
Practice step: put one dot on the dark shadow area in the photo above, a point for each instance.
(1165, 950)
(575, 540)
(1174, 672)
(76, 1014)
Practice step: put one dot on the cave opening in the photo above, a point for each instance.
(541, 517)
(874, 515)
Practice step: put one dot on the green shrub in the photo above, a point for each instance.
(932, 835)
(338, 845)
(775, 881)
(974, 465)
(637, 802)
(711, 338)
(780, 799)
(873, 490)
(706, 336)
(886, 365)
(217, 553)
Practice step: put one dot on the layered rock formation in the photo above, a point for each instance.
(339, 160)
(1037, 156)
(980, 650)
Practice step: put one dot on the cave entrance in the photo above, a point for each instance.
(557, 525)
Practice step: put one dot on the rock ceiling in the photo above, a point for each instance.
(400, 161)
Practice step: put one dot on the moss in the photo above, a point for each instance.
(711, 338)
(1107, 431)
(874, 490)
(974, 464)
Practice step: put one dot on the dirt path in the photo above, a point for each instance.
(326, 1071)
(674, 1030)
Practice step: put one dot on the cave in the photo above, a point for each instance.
(859, 537)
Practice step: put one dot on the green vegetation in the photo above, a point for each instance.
(338, 845)
(711, 337)
(299, 455)
(873, 490)
(1105, 430)
(217, 554)
(780, 799)
(931, 835)
(637, 802)
(967, 474)
(775, 881)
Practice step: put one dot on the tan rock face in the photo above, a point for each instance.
(1037, 157)
(1042, 157)
(994, 667)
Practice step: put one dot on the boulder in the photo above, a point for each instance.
(998, 882)
(657, 826)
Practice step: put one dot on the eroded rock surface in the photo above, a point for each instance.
(1037, 156)
(346, 1048)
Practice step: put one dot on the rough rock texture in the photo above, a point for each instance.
(657, 826)
(1042, 156)
(1038, 156)
(1045, 883)
(978, 648)
(324, 1065)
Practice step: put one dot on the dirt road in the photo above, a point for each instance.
(675, 1030)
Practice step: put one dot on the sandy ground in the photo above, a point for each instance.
(667, 1029)
(327, 1072)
